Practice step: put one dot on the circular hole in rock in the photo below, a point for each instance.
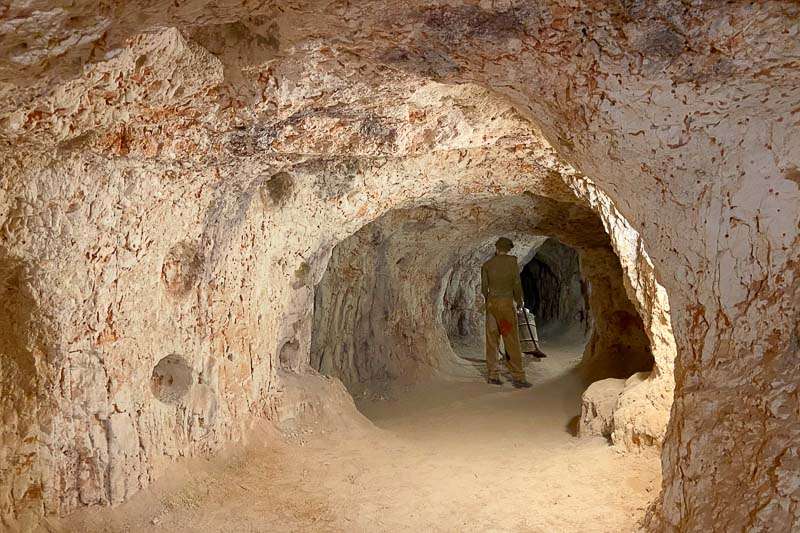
(289, 355)
(172, 378)
(277, 189)
(181, 268)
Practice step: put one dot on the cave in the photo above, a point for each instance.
(240, 249)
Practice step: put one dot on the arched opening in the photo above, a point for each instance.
(555, 299)
(399, 318)
(555, 292)
(400, 299)
(387, 319)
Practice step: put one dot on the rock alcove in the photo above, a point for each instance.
(172, 379)
(196, 180)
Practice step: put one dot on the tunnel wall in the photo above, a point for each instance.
(118, 393)
(235, 307)
(463, 315)
(370, 326)
(618, 346)
(125, 266)
(642, 410)
(679, 118)
(385, 303)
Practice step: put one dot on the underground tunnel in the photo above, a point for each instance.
(240, 253)
(400, 299)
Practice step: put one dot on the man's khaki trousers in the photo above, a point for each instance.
(501, 319)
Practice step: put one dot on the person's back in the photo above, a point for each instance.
(502, 289)
(500, 278)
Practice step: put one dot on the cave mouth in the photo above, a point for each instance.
(400, 301)
(554, 291)
(399, 319)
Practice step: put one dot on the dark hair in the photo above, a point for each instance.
(504, 243)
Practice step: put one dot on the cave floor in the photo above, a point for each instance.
(452, 455)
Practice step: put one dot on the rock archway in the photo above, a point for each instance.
(396, 291)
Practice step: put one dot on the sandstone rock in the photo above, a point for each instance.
(126, 130)
(642, 412)
(598, 404)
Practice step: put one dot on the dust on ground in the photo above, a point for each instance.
(446, 456)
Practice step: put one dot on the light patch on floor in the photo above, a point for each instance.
(453, 455)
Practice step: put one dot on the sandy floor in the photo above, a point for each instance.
(458, 455)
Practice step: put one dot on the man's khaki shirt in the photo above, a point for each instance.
(500, 278)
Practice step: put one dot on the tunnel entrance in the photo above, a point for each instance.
(399, 318)
(555, 295)
(554, 291)
(400, 301)
(609, 336)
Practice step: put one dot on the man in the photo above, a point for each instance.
(502, 290)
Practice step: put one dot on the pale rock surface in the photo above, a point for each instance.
(640, 416)
(131, 127)
(621, 410)
(598, 404)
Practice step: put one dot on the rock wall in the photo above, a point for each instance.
(155, 291)
(618, 346)
(151, 350)
(129, 128)
(643, 408)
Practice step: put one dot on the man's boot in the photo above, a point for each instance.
(521, 384)
(494, 381)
